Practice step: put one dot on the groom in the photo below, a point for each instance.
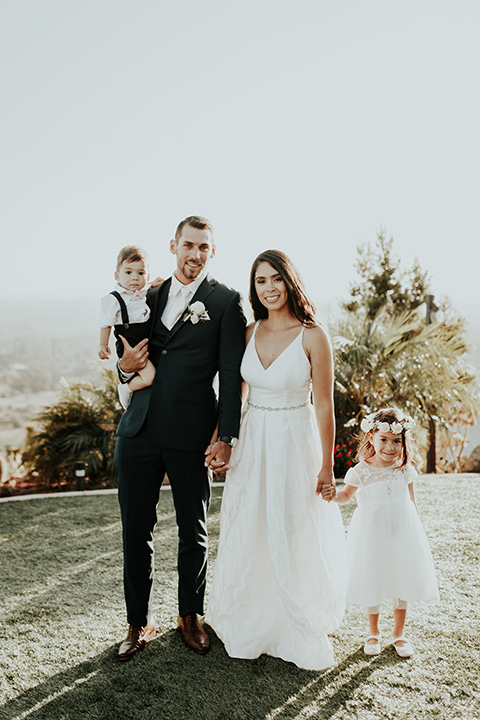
(198, 329)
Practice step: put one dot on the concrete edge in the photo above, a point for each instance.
(77, 493)
(114, 491)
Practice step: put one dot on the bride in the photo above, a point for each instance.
(278, 580)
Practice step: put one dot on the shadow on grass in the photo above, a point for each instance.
(169, 682)
(332, 690)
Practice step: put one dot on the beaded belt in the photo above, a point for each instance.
(276, 409)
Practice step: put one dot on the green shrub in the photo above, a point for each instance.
(80, 427)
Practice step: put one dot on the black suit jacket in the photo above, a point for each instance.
(181, 406)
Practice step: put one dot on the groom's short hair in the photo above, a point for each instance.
(195, 221)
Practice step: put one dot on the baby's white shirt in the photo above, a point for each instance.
(137, 308)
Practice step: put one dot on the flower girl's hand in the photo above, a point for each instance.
(328, 492)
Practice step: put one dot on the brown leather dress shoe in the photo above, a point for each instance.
(136, 640)
(194, 635)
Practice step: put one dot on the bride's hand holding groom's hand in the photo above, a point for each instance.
(217, 456)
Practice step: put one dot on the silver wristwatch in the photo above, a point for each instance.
(232, 441)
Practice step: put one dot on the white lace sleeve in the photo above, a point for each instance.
(410, 474)
(352, 478)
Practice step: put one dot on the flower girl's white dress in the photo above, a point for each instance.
(278, 585)
(387, 548)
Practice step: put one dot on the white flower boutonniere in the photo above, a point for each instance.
(196, 312)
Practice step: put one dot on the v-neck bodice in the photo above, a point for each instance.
(285, 382)
(285, 349)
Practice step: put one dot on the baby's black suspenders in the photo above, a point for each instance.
(123, 309)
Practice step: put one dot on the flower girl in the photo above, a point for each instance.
(388, 552)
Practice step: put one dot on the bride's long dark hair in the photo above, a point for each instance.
(299, 303)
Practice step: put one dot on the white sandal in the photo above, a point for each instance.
(403, 651)
(372, 648)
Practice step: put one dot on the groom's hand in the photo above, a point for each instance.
(133, 358)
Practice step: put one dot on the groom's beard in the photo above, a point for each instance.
(191, 271)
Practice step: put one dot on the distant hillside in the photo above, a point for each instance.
(44, 340)
(55, 320)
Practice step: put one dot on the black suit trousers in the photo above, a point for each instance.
(141, 467)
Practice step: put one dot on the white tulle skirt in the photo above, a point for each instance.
(388, 554)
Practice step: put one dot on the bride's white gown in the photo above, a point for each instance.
(278, 585)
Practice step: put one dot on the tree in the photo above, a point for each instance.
(386, 355)
(81, 427)
(383, 285)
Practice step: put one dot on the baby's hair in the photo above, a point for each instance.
(131, 253)
(366, 451)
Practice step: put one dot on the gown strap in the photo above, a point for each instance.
(252, 339)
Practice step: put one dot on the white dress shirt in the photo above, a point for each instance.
(179, 297)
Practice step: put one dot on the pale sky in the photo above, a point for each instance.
(302, 125)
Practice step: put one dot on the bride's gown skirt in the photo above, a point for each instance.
(278, 584)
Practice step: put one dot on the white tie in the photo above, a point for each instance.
(176, 307)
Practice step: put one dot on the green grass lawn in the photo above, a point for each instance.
(62, 617)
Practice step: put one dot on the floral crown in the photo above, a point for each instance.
(369, 423)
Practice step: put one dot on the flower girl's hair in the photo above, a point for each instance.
(393, 417)
(298, 301)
